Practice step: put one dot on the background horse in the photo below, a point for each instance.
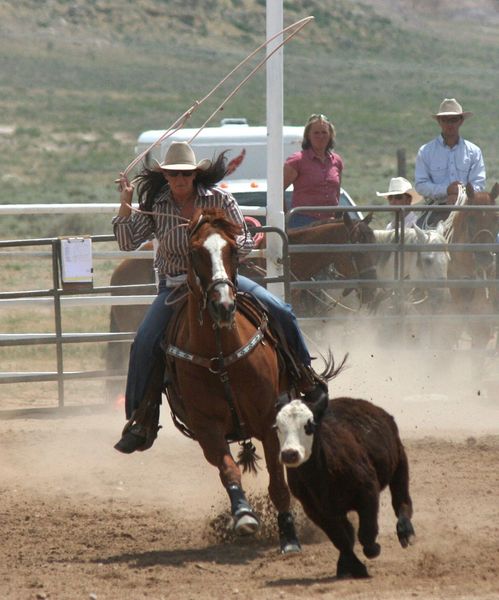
(131, 271)
(329, 264)
(478, 227)
(225, 373)
(424, 264)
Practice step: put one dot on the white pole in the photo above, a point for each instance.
(275, 214)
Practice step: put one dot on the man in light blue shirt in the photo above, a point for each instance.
(448, 160)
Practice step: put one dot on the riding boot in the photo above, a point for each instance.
(312, 386)
(142, 429)
(133, 438)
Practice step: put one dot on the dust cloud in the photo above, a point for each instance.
(431, 390)
(431, 393)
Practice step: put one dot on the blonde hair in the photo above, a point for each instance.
(314, 118)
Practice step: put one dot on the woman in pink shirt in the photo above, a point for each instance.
(315, 171)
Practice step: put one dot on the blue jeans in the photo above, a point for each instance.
(146, 347)
(300, 220)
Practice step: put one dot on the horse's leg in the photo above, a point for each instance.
(280, 496)
(218, 454)
(116, 358)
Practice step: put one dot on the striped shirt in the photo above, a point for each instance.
(172, 255)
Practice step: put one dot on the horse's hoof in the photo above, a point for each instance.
(246, 525)
(290, 548)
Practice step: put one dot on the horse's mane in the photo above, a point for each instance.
(450, 223)
(387, 236)
(466, 196)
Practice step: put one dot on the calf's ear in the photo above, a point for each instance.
(319, 408)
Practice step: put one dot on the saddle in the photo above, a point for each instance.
(267, 329)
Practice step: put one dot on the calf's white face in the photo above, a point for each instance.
(295, 430)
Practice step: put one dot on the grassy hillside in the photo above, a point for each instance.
(80, 80)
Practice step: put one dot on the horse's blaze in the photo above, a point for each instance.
(223, 301)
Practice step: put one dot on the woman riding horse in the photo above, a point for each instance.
(168, 197)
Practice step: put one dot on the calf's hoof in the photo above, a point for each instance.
(372, 551)
(405, 532)
(350, 566)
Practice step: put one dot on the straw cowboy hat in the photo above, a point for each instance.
(450, 107)
(180, 157)
(400, 185)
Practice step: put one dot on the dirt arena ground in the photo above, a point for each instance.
(81, 521)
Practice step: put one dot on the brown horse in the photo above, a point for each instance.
(342, 265)
(224, 370)
(478, 227)
(329, 264)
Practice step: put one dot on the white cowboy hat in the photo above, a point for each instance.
(450, 107)
(180, 157)
(398, 185)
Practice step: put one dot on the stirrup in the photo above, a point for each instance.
(133, 438)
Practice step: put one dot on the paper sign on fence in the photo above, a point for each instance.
(76, 259)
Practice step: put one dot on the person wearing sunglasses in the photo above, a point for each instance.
(400, 193)
(315, 172)
(447, 161)
(168, 195)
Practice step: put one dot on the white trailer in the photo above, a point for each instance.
(246, 146)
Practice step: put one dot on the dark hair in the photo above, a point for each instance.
(314, 119)
(150, 182)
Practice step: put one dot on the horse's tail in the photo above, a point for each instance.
(247, 457)
(330, 369)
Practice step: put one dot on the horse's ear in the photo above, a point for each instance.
(368, 218)
(494, 192)
(347, 219)
(420, 234)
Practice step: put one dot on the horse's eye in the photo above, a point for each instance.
(309, 427)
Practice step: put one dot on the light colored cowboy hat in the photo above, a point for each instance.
(450, 107)
(180, 157)
(399, 185)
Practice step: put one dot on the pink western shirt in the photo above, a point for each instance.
(318, 183)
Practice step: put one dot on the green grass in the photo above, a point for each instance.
(78, 109)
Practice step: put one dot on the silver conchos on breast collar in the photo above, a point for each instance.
(216, 364)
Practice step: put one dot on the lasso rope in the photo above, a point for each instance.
(448, 225)
(179, 123)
